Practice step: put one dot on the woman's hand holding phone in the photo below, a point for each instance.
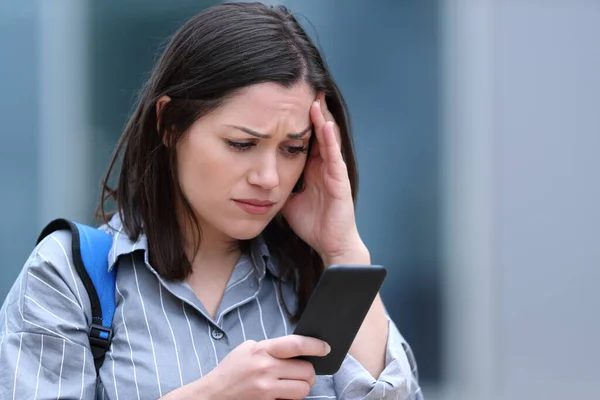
(260, 370)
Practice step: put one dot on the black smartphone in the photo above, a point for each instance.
(336, 310)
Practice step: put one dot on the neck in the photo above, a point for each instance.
(217, 253)
(212, 264)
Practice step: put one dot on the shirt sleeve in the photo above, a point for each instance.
(398, 380)
(44, 345)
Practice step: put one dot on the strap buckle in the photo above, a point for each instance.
(100, 338)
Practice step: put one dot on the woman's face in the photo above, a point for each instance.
(238, 164)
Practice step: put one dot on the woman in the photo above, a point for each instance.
(227, 218)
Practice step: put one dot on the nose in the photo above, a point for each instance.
(265, 173)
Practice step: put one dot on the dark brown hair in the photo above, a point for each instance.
(208, 60)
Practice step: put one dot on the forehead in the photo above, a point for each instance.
(265, 102)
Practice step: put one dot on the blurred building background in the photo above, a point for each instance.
(477, 131)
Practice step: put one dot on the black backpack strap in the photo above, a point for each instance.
(90, 248)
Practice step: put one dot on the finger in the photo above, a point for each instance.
(316, 115)
(291, 389)
(333, 151)
(329, 116)
(318, 123)
(314, 148)
(294, 346)
(333, 158)
(323, 103)
(299, 370)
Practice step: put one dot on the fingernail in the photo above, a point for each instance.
(319, 101)
(327, 348)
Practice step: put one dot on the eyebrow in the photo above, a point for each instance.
(267, 136)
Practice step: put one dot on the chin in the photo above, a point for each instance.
(247, 230)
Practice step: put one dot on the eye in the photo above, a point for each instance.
(293, 151)
(239, 146)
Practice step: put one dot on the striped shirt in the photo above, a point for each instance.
(163, 336)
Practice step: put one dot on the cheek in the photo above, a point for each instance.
(205, 168)
(290, 172)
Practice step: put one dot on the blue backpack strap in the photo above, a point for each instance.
(90, 250)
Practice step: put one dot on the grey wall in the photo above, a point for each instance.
(522, 133)
(548, 195)
(19, 152)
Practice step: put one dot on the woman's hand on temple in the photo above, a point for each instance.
(323, 213)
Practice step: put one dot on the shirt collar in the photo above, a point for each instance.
(123, 245)
(262, 259)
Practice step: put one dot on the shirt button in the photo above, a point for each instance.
(217, 333)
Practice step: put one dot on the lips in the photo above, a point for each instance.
(255, 206)
(255, 202)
